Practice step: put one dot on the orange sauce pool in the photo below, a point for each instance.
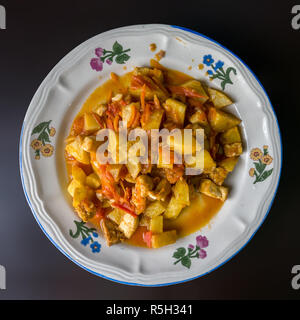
(202, 208)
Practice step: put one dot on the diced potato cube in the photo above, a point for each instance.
(155, 208)
(162, 190)
(93, 181)
(218, 175)
(163, 160)
(175, 111)
(74, 184)
(209, 163)
(88, 144)
(230, 136)
(181, 192)
(218, 98)
(233, 149)
(144, 221)
(204, 163)
(163, 239)
(90, 123)
(152, 89)
(80, 194)
(174, 208)
(199, 117)
(117, 97)
(129, 112)
(154, 120)
(149, 72)
(210, 189)
(156, 224)
(197, 87)
(221, 121)
(78, 174)
(229, 163)
(115, 170)
(128, 224)
(74, 149)
(183, 145)
(134, 168)
(116, 216)
(100, 109)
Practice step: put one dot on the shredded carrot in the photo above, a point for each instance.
(143, 94)
(109, 96)
(114, 77)
(185, 91)
(146, 113)
(133, 115)
(78, 126)
(98, 119)
(116, 123)
(156, 102)
(136, 120)
(109, 123)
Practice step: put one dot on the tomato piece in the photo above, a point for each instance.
(147, 238)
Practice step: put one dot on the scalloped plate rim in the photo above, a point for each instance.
(238, 250)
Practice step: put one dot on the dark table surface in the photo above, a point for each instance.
(40, 33)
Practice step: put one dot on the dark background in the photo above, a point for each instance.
(40, 33)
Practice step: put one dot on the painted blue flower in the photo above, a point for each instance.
(219, 65)
(210, 72)
(86, 241)
(95, 234)
(208, 60)
(95, 246)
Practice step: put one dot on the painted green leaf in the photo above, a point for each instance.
(77, 233)
(40, 127)
(259, 166)
(179, 253)
(228, 72)
(44, 137)
(122, 58)
(186, 262)
(265, 175)
(223, 83)
(117, 48)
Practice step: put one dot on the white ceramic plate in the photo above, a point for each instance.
(61, 96)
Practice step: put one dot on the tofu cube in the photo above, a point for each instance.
(233, 149)
(210, 189)
(128, 224)
(218, 175)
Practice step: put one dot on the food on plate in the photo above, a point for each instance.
(151, 204)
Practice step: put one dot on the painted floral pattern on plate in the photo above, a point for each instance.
(261, 161)
(117, 54)
(185, 255)
(42, 143)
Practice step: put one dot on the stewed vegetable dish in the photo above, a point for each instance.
(151, 204)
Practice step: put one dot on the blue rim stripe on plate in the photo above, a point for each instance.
(175, 282)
